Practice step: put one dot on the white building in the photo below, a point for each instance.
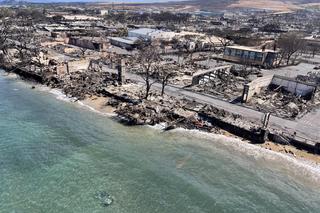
(151, 34)
(104, 12)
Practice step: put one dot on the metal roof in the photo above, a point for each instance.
(253, 49)
(144, 31)
(126, 40)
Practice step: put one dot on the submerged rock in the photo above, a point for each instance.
(104, 198)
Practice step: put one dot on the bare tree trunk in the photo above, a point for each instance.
(281, 59)
(148, 86)
(163, 86)
(288, 61)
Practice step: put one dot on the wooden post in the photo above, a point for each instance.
(122, 71)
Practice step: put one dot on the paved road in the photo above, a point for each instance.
(308, 130)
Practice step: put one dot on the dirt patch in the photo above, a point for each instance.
(274, 5)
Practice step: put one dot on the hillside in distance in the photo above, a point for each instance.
(275, 5)
(190, 5)
(213, 5)
(210, 4)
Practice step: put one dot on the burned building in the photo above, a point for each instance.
(127, 43)
(250, 56)
(92, 43)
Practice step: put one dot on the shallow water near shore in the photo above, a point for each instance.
(55, 156)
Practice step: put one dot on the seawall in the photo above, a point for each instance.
(253, 135)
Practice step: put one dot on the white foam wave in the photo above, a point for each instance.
(298, 166)
(95, 110)
(43, 88)
(160, 126)
(61, 96)
(9, 75)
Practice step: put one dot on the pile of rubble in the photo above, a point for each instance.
(153, 111)
(219, 113)
(174, 113)
(80, 84)
(157, 109)
(143, 113)
(227, 90)
(246, 72)
(228, 85)
(282, 103)
(224, 85)
(228, 117)
(311, 77)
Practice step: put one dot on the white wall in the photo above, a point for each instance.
(256, 85)
(294, 87)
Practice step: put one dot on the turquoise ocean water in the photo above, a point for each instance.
(56, 156)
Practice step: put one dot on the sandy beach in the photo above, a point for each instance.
(99, 105)
(290, 151)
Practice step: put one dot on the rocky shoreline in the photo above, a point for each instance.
(130, 105)
(126, 104)
(98, 104)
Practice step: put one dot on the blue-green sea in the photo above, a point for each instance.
(58, 156)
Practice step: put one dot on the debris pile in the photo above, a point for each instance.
(224, 85)
(228, 117)
(153, 111)
(79, 84)
(282, 103)
(163, 110)
(311, 77)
